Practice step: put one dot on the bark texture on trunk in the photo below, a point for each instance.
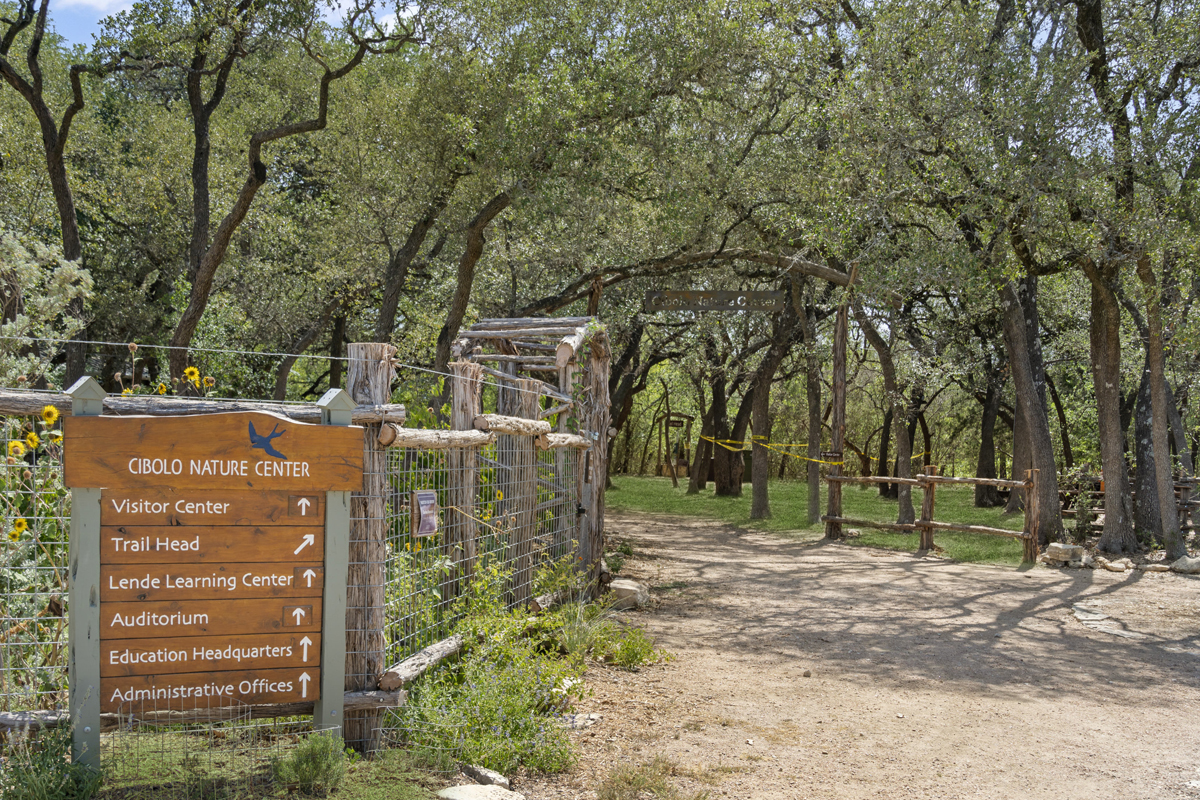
(476, 239)
(698, 476)
(1105, 341)
(900, 416)
(812, 385)
(985, 466)
(1169, 526)
(1018, 322)
(1145, 508)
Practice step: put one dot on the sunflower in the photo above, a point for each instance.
(16, 449)
(20, 525)
(162, 388)
(49, 415)
(32, 440)
(210, 381)
(14, 537)
(192, 374)
(55, 436)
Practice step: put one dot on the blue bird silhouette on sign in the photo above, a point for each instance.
(264, 442)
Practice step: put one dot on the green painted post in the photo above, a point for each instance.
(83, 621)
(336, 409)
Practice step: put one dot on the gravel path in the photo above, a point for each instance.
(814, 670)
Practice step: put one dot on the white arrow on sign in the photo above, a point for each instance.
(303, 502)
(298, 613)
(308, 573)
(305, 642)
(309, 538)
(304, 679)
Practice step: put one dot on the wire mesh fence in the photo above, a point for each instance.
(507, 509)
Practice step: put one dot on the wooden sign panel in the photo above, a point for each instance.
(171, 506)
(670, 300)
(209, 544)
(241, 451)
(120, 657)
(212, 554)
(143, 693)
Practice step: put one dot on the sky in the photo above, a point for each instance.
(77, 20)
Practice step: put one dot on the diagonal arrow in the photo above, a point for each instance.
(308, 573)
(309, 538)
(298, 613)
(305, 642)
(304, 679)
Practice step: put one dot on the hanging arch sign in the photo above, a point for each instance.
(669, 300)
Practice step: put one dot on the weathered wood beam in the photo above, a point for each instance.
(953, 526)
(548, 332)
(863, 523)
(565, 351)
(421, 662)
(499, 423)
(550, 412)
(500, 324)
(553, 441)
(28, 404)
(517, 359)
(394, 436)
(547, 389)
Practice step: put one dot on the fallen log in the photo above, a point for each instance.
(419, 663)
(395, 436)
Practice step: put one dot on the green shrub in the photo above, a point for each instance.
(495, 708)
(630, 649)
(39, 768)
(317, 763)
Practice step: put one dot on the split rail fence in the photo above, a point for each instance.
(926, 525)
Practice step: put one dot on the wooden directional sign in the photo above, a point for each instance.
(713, 301)
(212, 554)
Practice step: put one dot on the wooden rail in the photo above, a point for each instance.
(925, 525)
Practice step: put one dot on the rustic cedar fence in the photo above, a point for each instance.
(925, 525)
(511, 489)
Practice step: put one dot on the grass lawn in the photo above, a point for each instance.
(789, 508)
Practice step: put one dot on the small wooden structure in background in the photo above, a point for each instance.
(677, 455)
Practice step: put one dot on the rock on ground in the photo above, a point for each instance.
(1057, 551)
(485, 776)
(629, 594)
(1186, 565)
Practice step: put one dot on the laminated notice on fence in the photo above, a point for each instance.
(424, 513)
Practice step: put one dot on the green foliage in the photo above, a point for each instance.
(495, 708)
(37, 291)
(317, 763)
(40, 768)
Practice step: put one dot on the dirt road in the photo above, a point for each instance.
(926, 678)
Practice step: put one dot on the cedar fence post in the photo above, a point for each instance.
(833, 530)
(83, 596)
(524, 488)
(369, 378)
(926, 530)
(1032, 517)
(466, 389)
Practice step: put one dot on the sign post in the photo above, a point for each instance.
(221, 540)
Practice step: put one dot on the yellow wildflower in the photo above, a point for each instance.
(499, 495)
(20, 525)
(162, 388)
(49, 415)
(32, 440)
(210, 381)
(191, 374)
(127, 393)
(55, 436)
(14, 537)
(16, 449)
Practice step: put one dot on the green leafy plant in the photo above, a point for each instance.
(317, 763)
(39, 768)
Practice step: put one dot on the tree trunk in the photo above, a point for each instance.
(336, 362)
(1146, 515)
(1064, 429)
(399, 263)
(466, 276)
(812, 382)
(1024, 361)
(760, 466)
(988, 496)
(1105, 340)
(1168, 512)
(886, 490)
(723, 482)
(1021, 457)
(902, 416)
(697, 480)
